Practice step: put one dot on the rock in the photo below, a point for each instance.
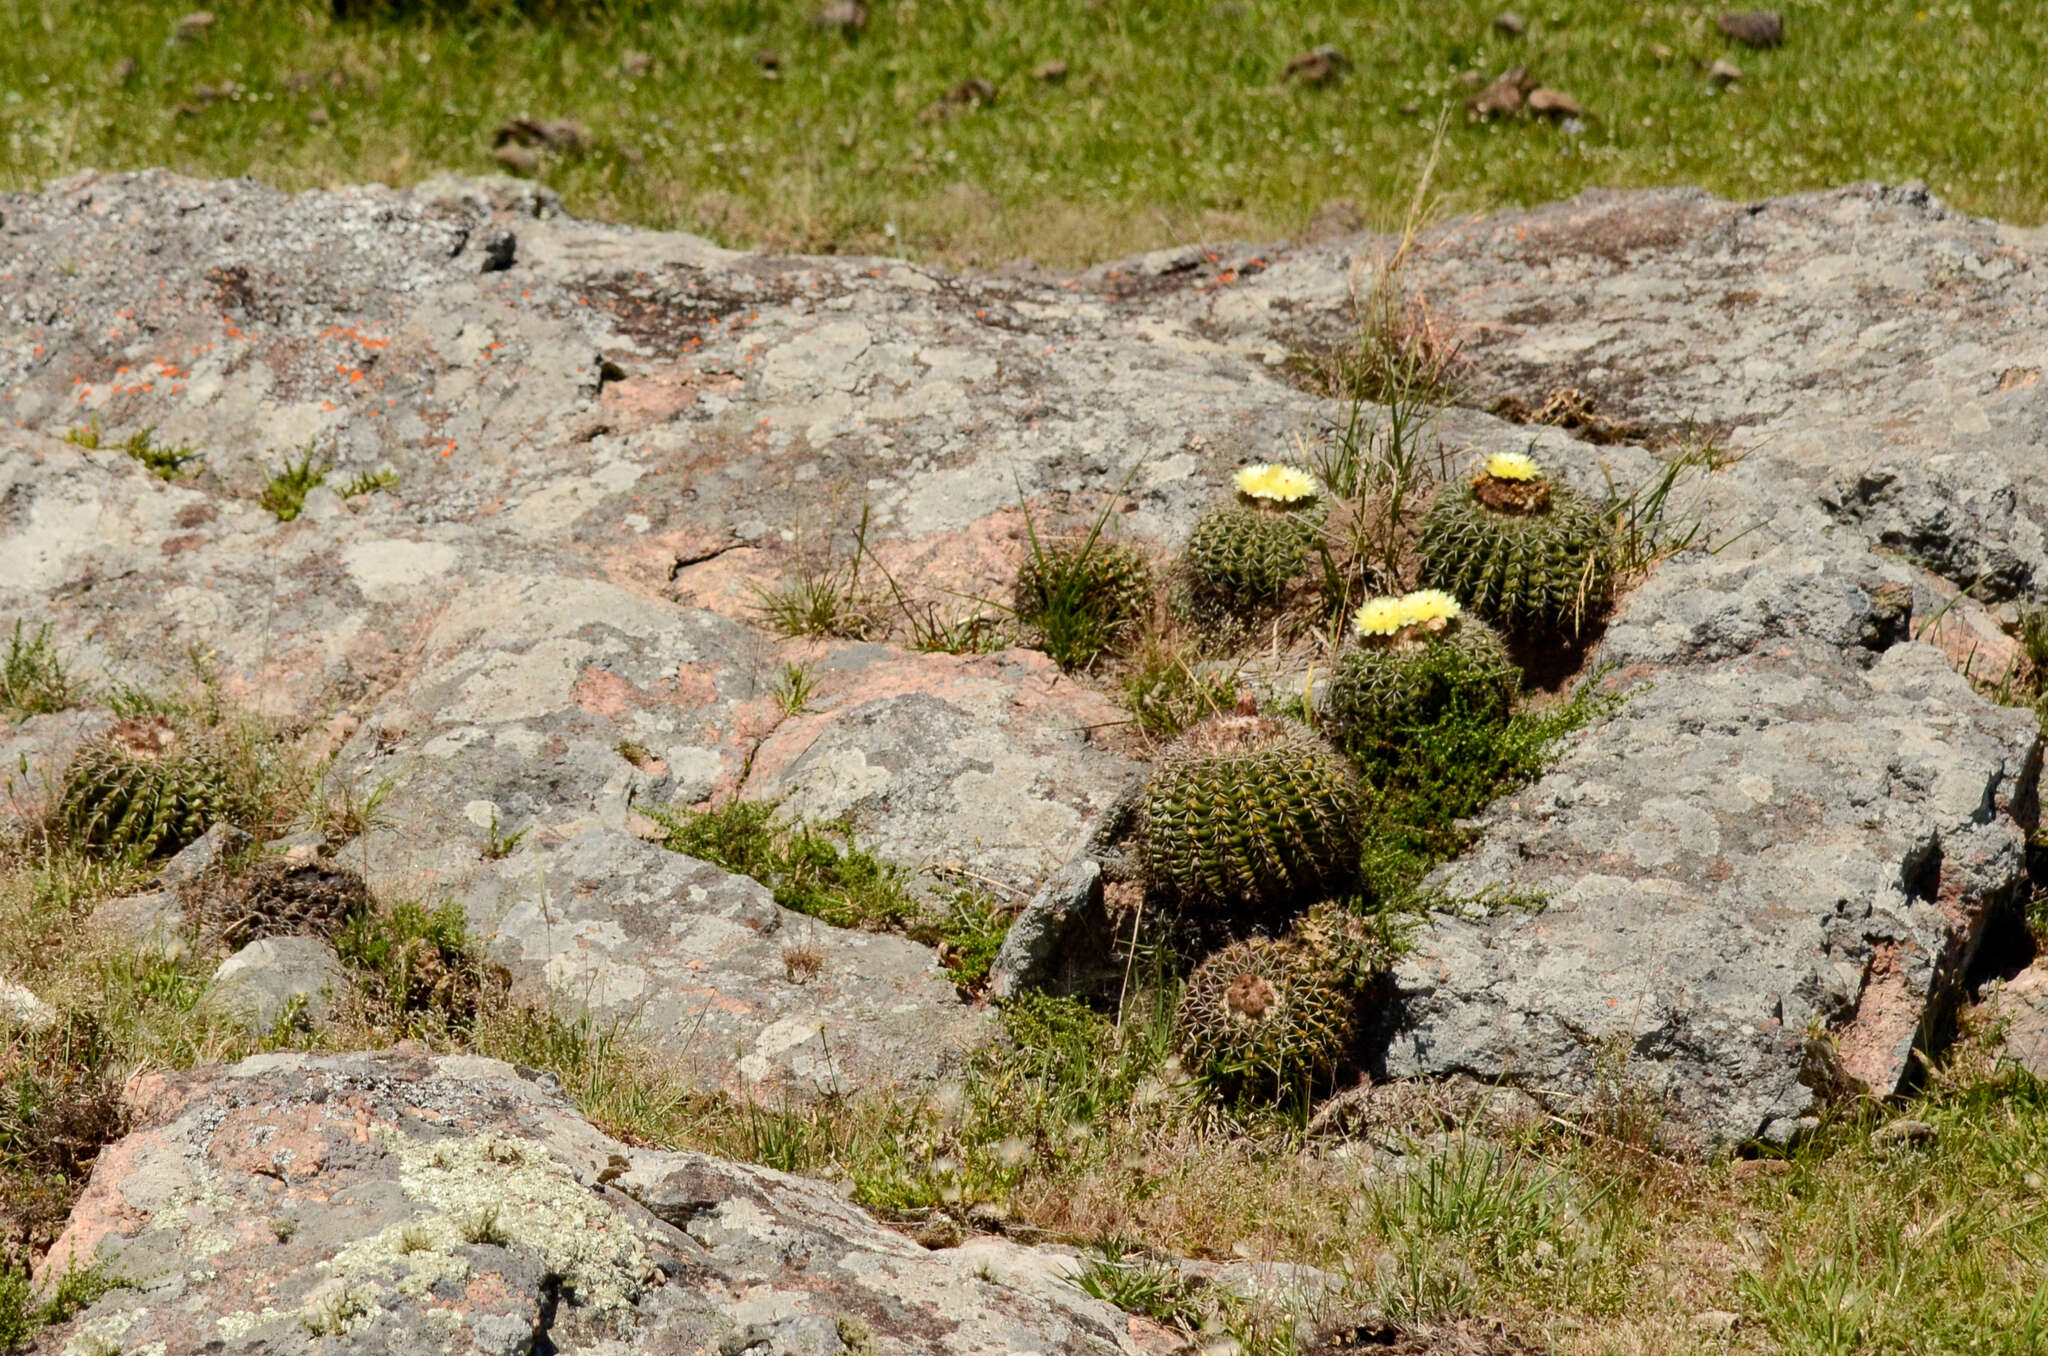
(1335, 219)
(1554, 103)
(1317, 66)
(847, 17)
(1505, 94)
(564, 135)
(193, 26)
(1049, 72)
(516, 158)
(1715, 1322)
(1754, 27)
(1903, 1134)
(1868, 932)
(152, 923)
(403, 1202)
(1046, 940)
(2018, 1012)
(21, 1010)
(204, 853)
(1724, 71)
(1953, 513)
(1510, 24)
(695, 958)
(276, 978)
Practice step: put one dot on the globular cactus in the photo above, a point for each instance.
(1407, 662)
(1260, 1016)
(1343, 946)
(1247, 549)
(277, 897)
(1077, 599)
(1528, 555)
(144, 787)
(1246, 815)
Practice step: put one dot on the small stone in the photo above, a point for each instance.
(1753, 27)
(203, 853)
(1506, 94)
(319, 116)
(1554, 103)
(770, 63)
(499, 249)
(636, 64)
(940, 1231)
(1317, 66)
(849, 17)
(21, 1010)
(276, 978)
(1724, 71)
(1905, 1133)
(124, 69)
(1751, 1169)
(1716, 1321)
(1661, 52)
(195, 25)
(1049, 72)
(518, 159)
(1335, 218)
(1510, 24)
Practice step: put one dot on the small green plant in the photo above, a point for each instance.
(23, 1314)
(499, 845)
(485, 1226)
(165, 461)
(1530, 556)
(793, 689)
(283, 1228)
(1139, 1285)
(970, 933)
(1406, 662)
(1077, 599)
(1249, 814)
(33, 680)
(1264, 1018)
(817, 871)
(336, 1312)
(147, 787)
(86, 435)
(418, 965)
(1167, 688)
(826, 597)
(286, 493)
(349, 812)
(369, 482)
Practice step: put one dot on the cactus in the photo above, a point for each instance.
(1078, 599)
(1261, 1016)
(277, 897)
(1247, 549)
(1407, 662)
(1527, 555)
(144, 787)
(1343, 946)
(1246, 813)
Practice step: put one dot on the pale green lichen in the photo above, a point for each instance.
(532, 1200)
(238, 1325)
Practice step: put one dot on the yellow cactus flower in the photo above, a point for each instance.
(1430, 608)
(1282, 484)
(1379, 617)
(1513, 466)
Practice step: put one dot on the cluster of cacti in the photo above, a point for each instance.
(144, 787)
(1527, 554)
(1089, 591)
(1407, 662)
(1247, 549)
(1262, 1016)
(1248, 815)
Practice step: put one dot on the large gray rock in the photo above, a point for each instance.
(274, 978)
(746, 995)
(401, 1203)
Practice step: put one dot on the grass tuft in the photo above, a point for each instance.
(33, 679)
(286, 493)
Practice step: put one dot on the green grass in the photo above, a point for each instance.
(1171, 125)
(286, 493)
(165, 461)
(33, 679)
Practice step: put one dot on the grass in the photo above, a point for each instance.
(826, 595)
(165, 461)
(33, 678)
(1171, 125)
(286, 493)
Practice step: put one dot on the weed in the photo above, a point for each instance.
(23, 1315)
(165, 461)
(500, 845)
(286, 493)
(417, 966)
(1138, 1285)
(816, 871)
(335, 1313)
(33, 680)
(970, 934)
(1079, 599)
(283, 1228)
(86, 435)
(369, 482)
(793, 689)
(1645, 532)
(802, 962)
(1167, 688)
(827, 596)
(485, 1227)
(350, 812)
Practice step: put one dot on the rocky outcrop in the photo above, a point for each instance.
(405, 1203)
(1767, 871)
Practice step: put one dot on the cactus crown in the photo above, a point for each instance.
(1271, 483)
(1385, 682)
(1249, 813)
